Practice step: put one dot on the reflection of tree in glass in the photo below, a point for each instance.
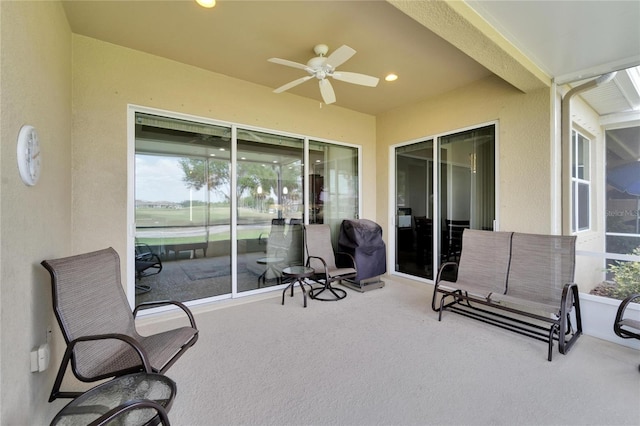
(194, 173)
(250, 176)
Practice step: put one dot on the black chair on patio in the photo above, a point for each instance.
(99, 327)
(146, 263)
(321, 257)
(627, 328)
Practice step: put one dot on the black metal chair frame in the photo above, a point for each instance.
(146, 263)
(625, 328)
(66, 324)
(325, 277)
(543, 327)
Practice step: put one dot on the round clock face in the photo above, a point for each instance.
(29, 159)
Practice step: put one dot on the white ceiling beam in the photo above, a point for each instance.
(464, 28)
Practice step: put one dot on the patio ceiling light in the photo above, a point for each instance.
(206, 3)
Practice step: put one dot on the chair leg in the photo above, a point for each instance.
(142, 288)
(338, 293)
(55, 391)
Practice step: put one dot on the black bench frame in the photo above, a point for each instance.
(524, 321)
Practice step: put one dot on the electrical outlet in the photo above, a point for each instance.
(34, 361)
(43, 357)
(40, 358)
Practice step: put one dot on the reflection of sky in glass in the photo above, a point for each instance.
(160, 179)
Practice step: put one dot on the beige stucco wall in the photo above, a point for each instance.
(106, 78)
(35, 88)
(590, 271)
(525, 156)
(80, 203)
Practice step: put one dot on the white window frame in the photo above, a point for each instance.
(132, 109)
(577, 181)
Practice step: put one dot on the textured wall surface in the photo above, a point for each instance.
(524, 146)
(35, 89)
(106, 78)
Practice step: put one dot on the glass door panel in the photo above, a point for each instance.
(437, 198)
(270, 205)
(414, 209)
(333, 185)
(467, 187)
(182, 173)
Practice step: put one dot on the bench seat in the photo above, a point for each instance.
(521, 282)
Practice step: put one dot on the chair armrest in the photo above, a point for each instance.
(567, 299)
(308, 264)
(182, 306)
(443, 267)
(117, 336)
(316, 257)
(343, 255)
(623, 306)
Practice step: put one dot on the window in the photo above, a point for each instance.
(580, 182)
(222, 206)
(442, 186)
(622, 212)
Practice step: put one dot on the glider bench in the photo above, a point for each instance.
(520, 282)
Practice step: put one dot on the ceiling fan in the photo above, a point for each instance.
(323, 66)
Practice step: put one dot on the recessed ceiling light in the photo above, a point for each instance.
(391, 77)
(206, 3)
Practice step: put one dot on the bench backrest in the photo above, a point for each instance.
(484, 261)
(540, 266)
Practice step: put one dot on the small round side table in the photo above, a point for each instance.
(270, 263)
(134, 399)
(297, 275)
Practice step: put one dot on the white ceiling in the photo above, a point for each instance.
(567, 40)
(576, 40)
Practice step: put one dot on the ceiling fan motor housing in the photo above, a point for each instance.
(322, 67)
(321, 49)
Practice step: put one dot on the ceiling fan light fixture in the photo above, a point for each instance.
(321, 67)
(206, 3)
(391, 77)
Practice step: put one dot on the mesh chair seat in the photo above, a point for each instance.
(322, 258)
(99, 327)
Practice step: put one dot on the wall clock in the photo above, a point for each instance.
(29, 158)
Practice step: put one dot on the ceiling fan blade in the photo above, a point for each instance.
(326, 90)
(339, 56)
(292, 84)
(355, 78)
(288, 63)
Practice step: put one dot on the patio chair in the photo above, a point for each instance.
(99, 327)
(453, 241)
(295, 238)
(321, 257)
(276, 236)
(146, 263)
(627, 328)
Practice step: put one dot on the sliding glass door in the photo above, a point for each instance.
(333, 185)
(414, 209)
(442, 188)
(182, 208)
(270, 194)
(222, 208)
